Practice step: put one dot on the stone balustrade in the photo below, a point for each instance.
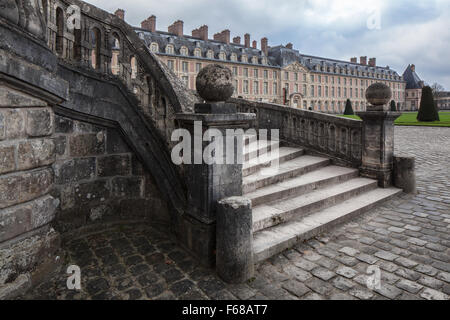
(336, 137)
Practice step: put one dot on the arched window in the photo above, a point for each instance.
(154, 47)
(95, 53)
(115, 50)
(59, 31)
(169, 49)
(45, 9)
(184, 51)
(133, 63)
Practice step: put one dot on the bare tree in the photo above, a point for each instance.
(437, 89)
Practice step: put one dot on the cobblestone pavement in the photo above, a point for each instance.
(407, 237)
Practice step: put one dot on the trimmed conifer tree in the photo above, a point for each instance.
(393, 106)
(428, 110)
(348, 108)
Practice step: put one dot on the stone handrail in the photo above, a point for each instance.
(336, 137)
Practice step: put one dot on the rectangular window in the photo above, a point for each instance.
(170, 65)
(312, 78)
(304, 90)
(275, 75)
(246, 86)
(320, 91)
(198, 67)
(255, 87)
(266, 88)
(286, 75)
(312, 91)
(266, 74)
(235, 71)
(255, 73)
(305, 105)
(296, 76)
(246, 72)
(275, 88)
(326, 79)
(339, 92)
(326, 92)
(351, 93)
(332, 92)
(304, 77)
(296, 87)
(185, 66)
(345, 92)
(320, 78)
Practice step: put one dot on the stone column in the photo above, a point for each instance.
(378, 135)
(235, 240)
(206, 182)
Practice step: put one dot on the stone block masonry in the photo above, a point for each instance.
(99, 179)
(28, 245)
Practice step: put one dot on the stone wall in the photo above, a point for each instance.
(28, 245)
(99, 179)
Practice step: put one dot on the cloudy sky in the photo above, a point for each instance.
(396, 32)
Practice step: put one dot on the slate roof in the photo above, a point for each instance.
(413, 81)
(278, 56)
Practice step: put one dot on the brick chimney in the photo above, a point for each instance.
(254, 44)
(176, 28)
(264, 45)
(149, 24)
(354, 60)
(413, 68)
(237, 40)
(223, 36)
(289, 45)
(201, 33)
(363, 61)
(120, 13)
(373, 62)
(247, 40)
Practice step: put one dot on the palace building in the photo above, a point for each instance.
(414, 87)
(277, 74)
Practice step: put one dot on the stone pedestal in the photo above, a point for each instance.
(235, 240)
(378, 145)
(208, 183)
(404, 174)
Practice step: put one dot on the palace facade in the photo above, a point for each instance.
(277, 74)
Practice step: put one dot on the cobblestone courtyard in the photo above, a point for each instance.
(408, 238)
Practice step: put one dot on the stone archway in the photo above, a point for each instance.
(295, 100)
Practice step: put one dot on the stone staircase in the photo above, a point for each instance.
(306, 196)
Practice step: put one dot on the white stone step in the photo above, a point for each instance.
(266, 216)
(284, 154)
(301, 185)
(258, 148)
(286, 170)
(274, 240)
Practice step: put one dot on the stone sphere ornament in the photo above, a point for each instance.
(215, 83)
(378, 95)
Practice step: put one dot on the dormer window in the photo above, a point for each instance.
(169, 49)
(255, 60)
(244, 58)
(197, 52)
(210, 54)
(222, 56)
(264, 60)
(184, 51)
(154, 47)
(233, 57)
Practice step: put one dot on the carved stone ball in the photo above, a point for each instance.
(378, 94)
(215, 83)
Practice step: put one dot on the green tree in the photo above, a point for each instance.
(428, 110)
(348, 108)
(393, 106)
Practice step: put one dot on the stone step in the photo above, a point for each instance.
(258, 148)
(301, 185)
(286, 170)
(272, 241)
(284, 154)
(279, 212)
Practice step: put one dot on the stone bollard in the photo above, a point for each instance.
(404, 174)
(234, 251)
